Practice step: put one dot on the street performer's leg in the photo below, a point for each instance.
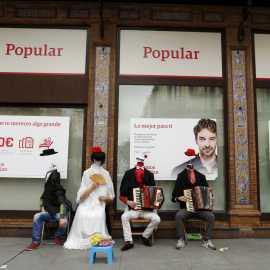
(61, 230)
(155, 220)
(126, 217)
(180, 217)
(38, 221)
(209, 217)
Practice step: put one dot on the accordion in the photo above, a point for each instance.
(147, 197)
(199, 198)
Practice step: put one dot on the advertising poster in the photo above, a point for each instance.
(23, 139)
(165, 141)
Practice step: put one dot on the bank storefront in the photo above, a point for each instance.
(41, 111)
(168, 81)
(134, 77)
(262, 85)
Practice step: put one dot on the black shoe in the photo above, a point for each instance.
(127, 246)
(145, 241)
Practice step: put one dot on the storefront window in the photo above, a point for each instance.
(179, 102)
(263, 115)
(24, 193)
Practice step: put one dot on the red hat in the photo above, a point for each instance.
(190, 152)
(96, 150)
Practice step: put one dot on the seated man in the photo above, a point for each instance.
(53, 205)
(188, 179)
(137, 177)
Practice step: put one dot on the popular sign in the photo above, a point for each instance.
(42, 51)
(23, 139)
(170, 54)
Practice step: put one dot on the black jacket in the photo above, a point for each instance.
(53, 198)
(183, 182)
(129, 182)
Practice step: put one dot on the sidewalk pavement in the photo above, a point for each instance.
(241, 254)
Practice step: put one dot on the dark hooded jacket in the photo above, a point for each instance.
(53, 198)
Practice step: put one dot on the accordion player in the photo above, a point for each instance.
(199, 198)
(147, 197)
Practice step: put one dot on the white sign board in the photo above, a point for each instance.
(43, 51)
(262, 56)
(23, 139)
(170, 54)
(165, 142)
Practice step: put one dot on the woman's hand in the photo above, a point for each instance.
(89, 190)
(106, 199)
(95, 185)
(102, 198)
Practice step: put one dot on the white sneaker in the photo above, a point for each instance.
(208, 244)
(180, 244)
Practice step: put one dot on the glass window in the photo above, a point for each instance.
(23, 193)
(155, 101)
(263, 115)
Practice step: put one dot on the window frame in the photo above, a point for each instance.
(28, 214)
(258, 84)
(172, 81)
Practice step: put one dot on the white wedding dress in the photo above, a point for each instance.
(90, 215)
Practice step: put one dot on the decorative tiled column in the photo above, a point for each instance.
(101, 98)
(242, 213)
(240, 128)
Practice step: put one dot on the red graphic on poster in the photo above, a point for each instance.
(46, 143)
(2, 167)
(6, 142)
(27, 142)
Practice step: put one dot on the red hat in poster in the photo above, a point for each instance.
(96, 150)
(190, 152)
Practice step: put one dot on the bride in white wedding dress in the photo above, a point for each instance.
(93, 195)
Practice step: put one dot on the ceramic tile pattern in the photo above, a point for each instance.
(101, 98)
(240, 126)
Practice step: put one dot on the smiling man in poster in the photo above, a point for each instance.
(205, 162)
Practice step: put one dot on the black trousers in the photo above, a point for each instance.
(183, 215)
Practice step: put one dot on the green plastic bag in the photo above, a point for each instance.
(194, 236)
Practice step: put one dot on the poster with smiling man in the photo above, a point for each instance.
(165, 141)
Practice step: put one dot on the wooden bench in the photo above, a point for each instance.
(194, 220)
(141, 220)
